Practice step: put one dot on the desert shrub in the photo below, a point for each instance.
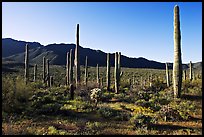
(15, 97)
(140, 120)
(111, 113)
(167, 113)
(77, 106)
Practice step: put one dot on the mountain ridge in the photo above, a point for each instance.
(56, 53)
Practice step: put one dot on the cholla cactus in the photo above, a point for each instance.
(96, 95)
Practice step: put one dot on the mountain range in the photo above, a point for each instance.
(14, 50)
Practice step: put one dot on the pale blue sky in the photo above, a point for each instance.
(136, 29)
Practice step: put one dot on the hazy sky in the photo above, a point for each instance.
(136, 29)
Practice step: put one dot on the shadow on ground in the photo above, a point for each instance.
(191, 97)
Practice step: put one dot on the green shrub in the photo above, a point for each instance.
(141, 120)
(110, 113)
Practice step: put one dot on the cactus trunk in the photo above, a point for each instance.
(190, 71)
(35, 72)
(44, 68)
(48, 74)
(67, 70)
(51, 81)
(108, 72)
(70, 67)
(184, 74)
(26, 64)
(119, 68)
(86, 71)
(167, 75)
(177, 66)
(116, 73)
(77, 63)
(97, 75)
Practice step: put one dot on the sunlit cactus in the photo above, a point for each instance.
(190, 71)
(70, 67)
(67, 69)
(116, 73)
(35, 72)
(26, 64)
(77, 63)
(48, 74)
(97, 75)
(184, 74)
(119, 67)
(108, 72)
(167, 76)
(86, 71)
(44, 69)
(177, 66)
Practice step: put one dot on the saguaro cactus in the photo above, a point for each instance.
(71, 91)
(116, 73)
(97, 74)
(67, 69)
(51, 81)
(86, 71)
(77, 63)
(167, 75)
(177, 66)
(70, 67)
(108, 72)
(26, 64)
(44, 68)
(184, 74)
(48, 73)
(35, 72)
(190, 71)
(119, 68)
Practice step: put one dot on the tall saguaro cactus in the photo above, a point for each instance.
(190, 71)
(116, 73)
(97, 74)
(177, 66)
(167, 75)
(108, 72)
(77, 63)
(44, 69)
(35, 72)
(48, 73)
(86, 71)
(119, 68)
(70, 67)
(67, 69)
(26, 64)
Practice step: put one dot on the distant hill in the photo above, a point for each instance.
(13, 50)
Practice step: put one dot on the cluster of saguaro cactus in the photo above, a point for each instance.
(86, 71)
(167, 76)
(35, 72)
(177, 66)
(70, 67)
(108, 72)
(190, 71)
(67, 69)
(77, 63)
(26, 64)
